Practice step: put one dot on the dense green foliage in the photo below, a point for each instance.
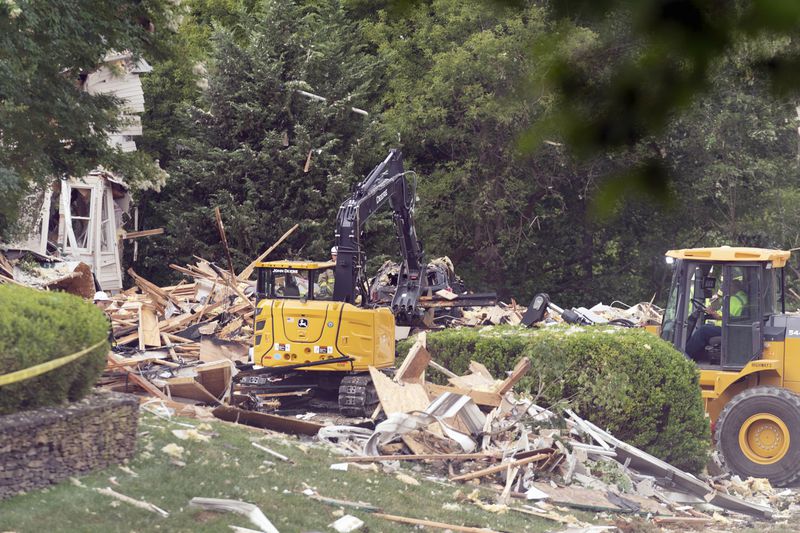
(266, 155)
(450, 84)
(653, 59)
(49, 127)
(627, 381)
(36, 327)
(457, 86)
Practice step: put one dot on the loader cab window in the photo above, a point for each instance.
(772, 292)
(715, 311)
(669, 324)
(742, 331)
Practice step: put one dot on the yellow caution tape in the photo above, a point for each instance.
(36, 370)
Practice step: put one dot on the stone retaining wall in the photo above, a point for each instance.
(47, 445)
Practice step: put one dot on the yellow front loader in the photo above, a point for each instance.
(726, 311)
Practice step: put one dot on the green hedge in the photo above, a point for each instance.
(37, 326)
(624, 380)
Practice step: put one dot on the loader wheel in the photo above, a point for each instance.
(758, 435)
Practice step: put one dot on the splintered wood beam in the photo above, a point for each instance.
(490, 399)
(420, 457)
(222, 236)
(430, 523)
(248, 271)
(143, 233)
(499, 468)
(522, 367)
(433, 364)
(413, 367)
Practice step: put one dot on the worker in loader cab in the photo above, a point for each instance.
(696, 345)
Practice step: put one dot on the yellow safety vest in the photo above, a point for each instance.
(738, 303)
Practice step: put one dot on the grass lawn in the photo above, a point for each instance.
(230, 467)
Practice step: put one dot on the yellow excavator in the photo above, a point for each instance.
(315, 327)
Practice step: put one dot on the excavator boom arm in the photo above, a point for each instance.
(386, 183)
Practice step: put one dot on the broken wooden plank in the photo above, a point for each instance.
(215, 376)
(160, 298)
(430, 523)
(499, 468)
(549, 515)
(192, 273)
(433, 364)
(490, 399)
(521, 368)
(142, 233)
(231, 327)
(146, 385)
(413, 368)
(248, 271)
(187, 387)
(479, 378)
(148, 332)
(421, 457)
(108, 491)
(214, 349)
(362, 506)
(267, 421)
(221, 229)
(687, 520)
(448, 295)
(272, 452)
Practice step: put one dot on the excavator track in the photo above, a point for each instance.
(357, 395)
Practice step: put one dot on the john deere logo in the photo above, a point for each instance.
(302, 323)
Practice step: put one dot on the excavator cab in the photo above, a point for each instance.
(296, 280)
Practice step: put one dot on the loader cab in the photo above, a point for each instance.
(720, 303)
(295, 280)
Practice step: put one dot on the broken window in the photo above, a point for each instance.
(107, 219)
(80, 209)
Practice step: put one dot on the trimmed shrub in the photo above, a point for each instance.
(38, 326)
(627, 381)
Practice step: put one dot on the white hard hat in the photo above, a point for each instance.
(101, 296)
(335, 249)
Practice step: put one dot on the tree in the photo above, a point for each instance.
(457, 98)
(265, 154)
(658, 57)
(49, 126)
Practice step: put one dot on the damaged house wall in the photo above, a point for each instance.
(79, 219)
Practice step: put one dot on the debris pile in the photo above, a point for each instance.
(476, 431)
(493, 315)
(440, 276)
(184, 340)
(23, 267)
(618, 313)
